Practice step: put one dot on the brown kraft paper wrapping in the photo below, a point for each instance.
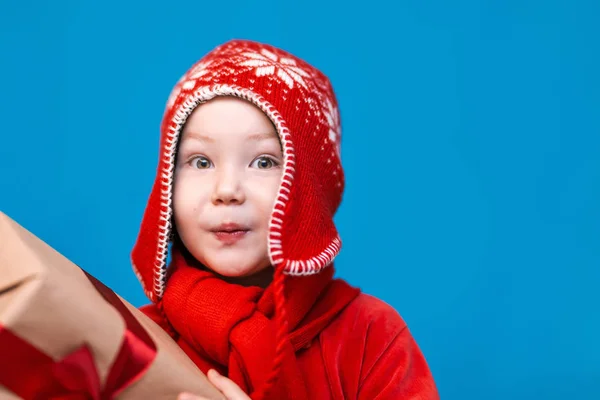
(48, 301)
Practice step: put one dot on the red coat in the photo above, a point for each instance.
(367, 353)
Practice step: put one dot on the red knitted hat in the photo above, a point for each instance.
(301, 103)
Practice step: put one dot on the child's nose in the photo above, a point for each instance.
(228, 189)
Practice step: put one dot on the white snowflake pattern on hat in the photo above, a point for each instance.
(268, 63)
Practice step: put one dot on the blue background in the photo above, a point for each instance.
(471, 144)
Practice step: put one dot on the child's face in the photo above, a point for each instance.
(229, 166)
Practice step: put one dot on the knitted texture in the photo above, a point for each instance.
(237, 330)
(300, 102)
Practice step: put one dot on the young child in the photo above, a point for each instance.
(248, 182)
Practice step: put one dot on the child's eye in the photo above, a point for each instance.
(200, 162)
(264, 162)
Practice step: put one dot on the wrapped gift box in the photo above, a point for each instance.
(65, 335)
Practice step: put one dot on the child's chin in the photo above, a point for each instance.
(232, 268)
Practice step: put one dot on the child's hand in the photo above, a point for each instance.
(225, 386)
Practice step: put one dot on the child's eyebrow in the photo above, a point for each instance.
(262, 136)
(207, 139)
(197, 136)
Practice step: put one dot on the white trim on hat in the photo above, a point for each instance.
(165, 231)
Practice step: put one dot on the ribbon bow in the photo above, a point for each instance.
(33, 375)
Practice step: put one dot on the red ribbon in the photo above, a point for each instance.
(33, 375)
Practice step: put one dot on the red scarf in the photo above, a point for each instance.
(234, 328)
